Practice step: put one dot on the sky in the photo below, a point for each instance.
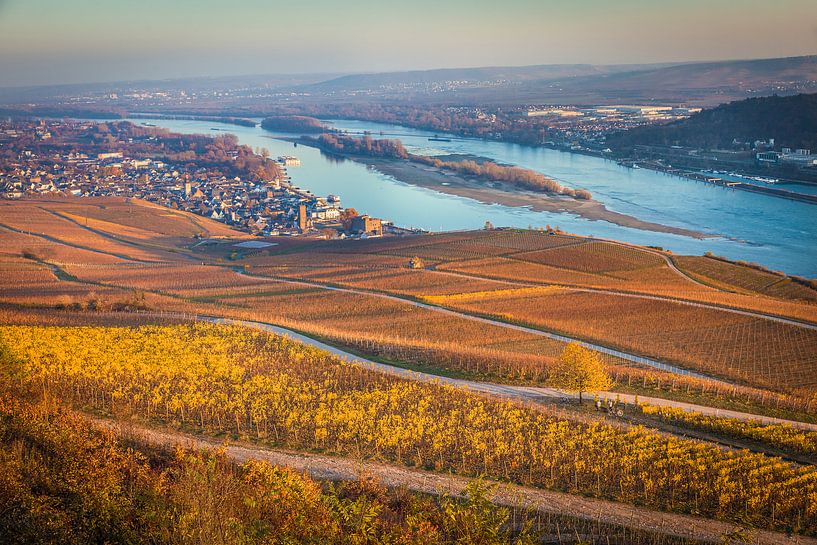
(78, 41)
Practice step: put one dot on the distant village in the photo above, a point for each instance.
(272, 207)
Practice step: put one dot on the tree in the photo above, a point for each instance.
(416, 263)
(580, 370)
(347, 216)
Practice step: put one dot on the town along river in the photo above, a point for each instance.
(774, 232)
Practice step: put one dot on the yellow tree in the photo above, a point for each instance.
(580, 370)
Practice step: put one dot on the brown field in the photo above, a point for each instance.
(43, 224)
(36, 247)
(146, 217)
(415, 283)
(565, 260)
(398, 280)
(26, 282)
(754, 350)
(593, 257)
(390, 329)
(661, 281)
(162, 277)
(657, 280)
(136, 247)
(743, 279)
(383, 245)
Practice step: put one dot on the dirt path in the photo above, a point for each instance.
(334, 468)
(56, 240)
(750, 313)
(633, 358)
(525, 393)
(667, 259)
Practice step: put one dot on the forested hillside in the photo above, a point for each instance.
(791, 121)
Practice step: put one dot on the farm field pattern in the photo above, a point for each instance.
(104, 266)
(591, 294)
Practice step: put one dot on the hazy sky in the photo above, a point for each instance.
(65, 41)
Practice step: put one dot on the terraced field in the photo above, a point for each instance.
(744, 279)
(485, 272)
(278, 392)
(757, 351)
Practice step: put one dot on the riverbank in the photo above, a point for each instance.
(450, 183)
(699, 176)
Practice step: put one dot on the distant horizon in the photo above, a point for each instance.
(53, 42)
(338, 74)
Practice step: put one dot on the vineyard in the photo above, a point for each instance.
(147, 219)
(118, 495)
(660, 281)
(91, 273)
(732, 276)
(40, 222)
(418, 337)
(265, 387)
(594, 257)
(523, 256)
(780, 436)
(396, 280)
(27, 282)
(79, 484)
(756, 351)
(47, 248)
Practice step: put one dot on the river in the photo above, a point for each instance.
(774, 232)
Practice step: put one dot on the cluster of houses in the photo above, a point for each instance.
(268, 208)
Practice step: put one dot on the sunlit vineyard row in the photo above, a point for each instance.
(653, 382)
(756, 351)
(739, 278)
(65, 481)
(660, 281)
(259, 385)
(781, 436)
(414, 336)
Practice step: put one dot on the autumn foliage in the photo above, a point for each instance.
(490, 171)
(265, 387)
(580, 370)
(363, 146)
(65, 481)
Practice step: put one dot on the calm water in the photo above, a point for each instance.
(774, 232)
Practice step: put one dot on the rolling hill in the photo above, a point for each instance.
(702, 83)
(791, 121)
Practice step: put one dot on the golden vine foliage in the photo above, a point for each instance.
(257, 384)
(782, 436)
(66, 482)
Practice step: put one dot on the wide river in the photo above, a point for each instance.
(774, 232)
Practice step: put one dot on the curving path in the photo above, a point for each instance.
(713, 306)
(524, 393)
(633, 358)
